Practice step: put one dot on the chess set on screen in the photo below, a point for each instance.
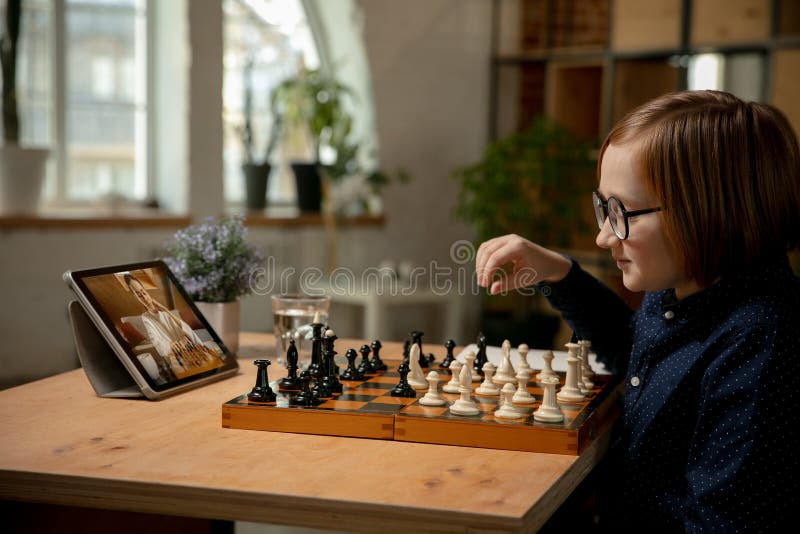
(505, 406)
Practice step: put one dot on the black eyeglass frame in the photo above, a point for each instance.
(601, 214)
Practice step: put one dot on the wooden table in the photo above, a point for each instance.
(61, 444)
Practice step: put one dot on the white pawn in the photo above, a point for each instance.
(523, 358)
(570, 392)
(507, 410)
(587, 369)
(416, 378)
(505, 373)
(548, 367)
(487, 387)
(432, 397)
(465, 405)
(549, 411)
(521, 396)
(453, 385)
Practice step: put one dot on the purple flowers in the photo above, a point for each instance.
(213, 260)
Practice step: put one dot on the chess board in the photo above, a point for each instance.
(365, 409)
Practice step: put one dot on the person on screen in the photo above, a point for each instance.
(173, 339)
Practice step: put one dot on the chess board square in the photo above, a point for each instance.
(383, 379)
(393, 400)
(374, 392)
(354, 397)
(343, 404)
(418, 409)
(382, 407)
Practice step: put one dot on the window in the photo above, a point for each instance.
(90, 99)
(265, 42)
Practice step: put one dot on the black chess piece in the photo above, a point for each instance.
(480, 357)
(377, 363)
(331, 376)
(448, 359)
(304, 398)
(406, 350)
(424, 359)
(316, 349)
(403, 388)
(365, 367)
(261, 392)
(291, 382)
(351, 373)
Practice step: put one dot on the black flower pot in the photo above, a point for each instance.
(256, 177)
(309, 186)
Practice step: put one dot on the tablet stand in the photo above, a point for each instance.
(108, 376)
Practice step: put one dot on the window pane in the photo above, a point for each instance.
(105, 99)
(34, 82)
(264, 43)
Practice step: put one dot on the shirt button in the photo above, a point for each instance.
(669, 314)
(635, 381)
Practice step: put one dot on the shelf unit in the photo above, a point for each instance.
(586, 63)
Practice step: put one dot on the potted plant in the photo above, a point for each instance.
(21, 169)
(312, 103)
(534, 183)
(216, 265)
(256, 173)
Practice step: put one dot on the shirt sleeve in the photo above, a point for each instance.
(743, 462)
(594, 312)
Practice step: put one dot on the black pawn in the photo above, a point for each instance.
(261, 392)
(351, 373)
(304, 398)
(403, 389)
(291, 382)
(365, 367)
(376, 361)
(448, 359)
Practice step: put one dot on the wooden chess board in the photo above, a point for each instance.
(365, 409)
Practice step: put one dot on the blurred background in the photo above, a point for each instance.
(443, 123)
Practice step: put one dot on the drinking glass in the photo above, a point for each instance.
(292, 316)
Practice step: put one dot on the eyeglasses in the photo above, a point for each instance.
(616, 213)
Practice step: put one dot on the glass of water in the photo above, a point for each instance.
(292, 316)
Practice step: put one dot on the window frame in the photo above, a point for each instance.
(59, 147)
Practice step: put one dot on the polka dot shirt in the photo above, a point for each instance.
(711, 407)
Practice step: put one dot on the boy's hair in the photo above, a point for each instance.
(726, 173)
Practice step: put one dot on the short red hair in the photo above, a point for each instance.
(726, 173)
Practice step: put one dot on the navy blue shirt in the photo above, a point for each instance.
(712, 401)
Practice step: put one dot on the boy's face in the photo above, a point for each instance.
(645, 258)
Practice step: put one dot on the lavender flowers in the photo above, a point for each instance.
(213, 260)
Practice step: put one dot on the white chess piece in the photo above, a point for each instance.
(549, 411)
(579, 366)
(453, 385)
(487, 387)
(548, 367)
(505, 373)
(432, 397)
(587, 369)
(465, 405)
(521, 396)
(523, 357)
(507, 410)
(570, 392)
(416, 378)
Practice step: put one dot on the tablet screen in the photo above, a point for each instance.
(148, 312)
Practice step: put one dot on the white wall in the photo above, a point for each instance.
(429, 65)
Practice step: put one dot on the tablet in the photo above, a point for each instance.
(150, 323)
